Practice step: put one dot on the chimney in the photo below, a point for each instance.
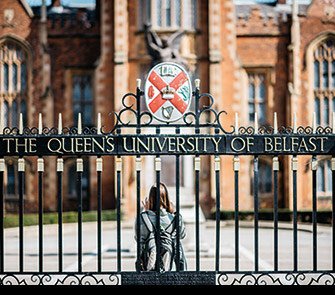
(281, 1)
(43, 12)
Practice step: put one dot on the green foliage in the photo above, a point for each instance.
(323, 216)
(12, 220)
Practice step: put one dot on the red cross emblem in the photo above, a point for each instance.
(168, 92)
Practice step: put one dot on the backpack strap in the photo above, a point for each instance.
(171, 227)
(147, 222)
(151, 227)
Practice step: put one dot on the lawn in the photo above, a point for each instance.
(12, 220)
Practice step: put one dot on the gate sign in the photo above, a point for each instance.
(168, 91)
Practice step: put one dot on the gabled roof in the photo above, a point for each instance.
(277, 11)
(270, 2)
(27, 7)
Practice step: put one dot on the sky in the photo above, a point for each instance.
(65, 2)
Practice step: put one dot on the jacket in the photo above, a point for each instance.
(167, 222)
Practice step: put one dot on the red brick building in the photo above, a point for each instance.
(265, 56)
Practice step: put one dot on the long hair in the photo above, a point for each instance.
(164, 198)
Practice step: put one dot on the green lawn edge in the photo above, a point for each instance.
(12, 220)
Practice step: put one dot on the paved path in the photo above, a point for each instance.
(207, 247)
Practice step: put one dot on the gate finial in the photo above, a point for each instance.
(21, 124)
(60, 123)
(40, 125)
(138, 83)
(294, 122)
(236, 123)
(314, 123)
(256, 123)
(197, 83)
(275, 123)
(1, 122)
(99, 122)
(80, 127)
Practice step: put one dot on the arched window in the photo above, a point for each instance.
(13, 82)
(324, 81)
(168, 14)
(11, 187)
(72, 180)
(257, 96)
(324, 178)
(11, 180)
(82, 97)
(324, 103)
(264, 177)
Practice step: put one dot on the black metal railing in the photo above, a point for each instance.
(205, 137)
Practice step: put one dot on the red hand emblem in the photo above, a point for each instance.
(151, 92)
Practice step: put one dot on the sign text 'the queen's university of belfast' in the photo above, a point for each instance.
(167, 144)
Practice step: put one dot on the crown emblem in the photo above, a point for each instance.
(168, 92)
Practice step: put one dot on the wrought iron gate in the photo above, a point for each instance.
(208, 137)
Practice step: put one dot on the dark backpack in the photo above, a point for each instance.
(149, 246)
